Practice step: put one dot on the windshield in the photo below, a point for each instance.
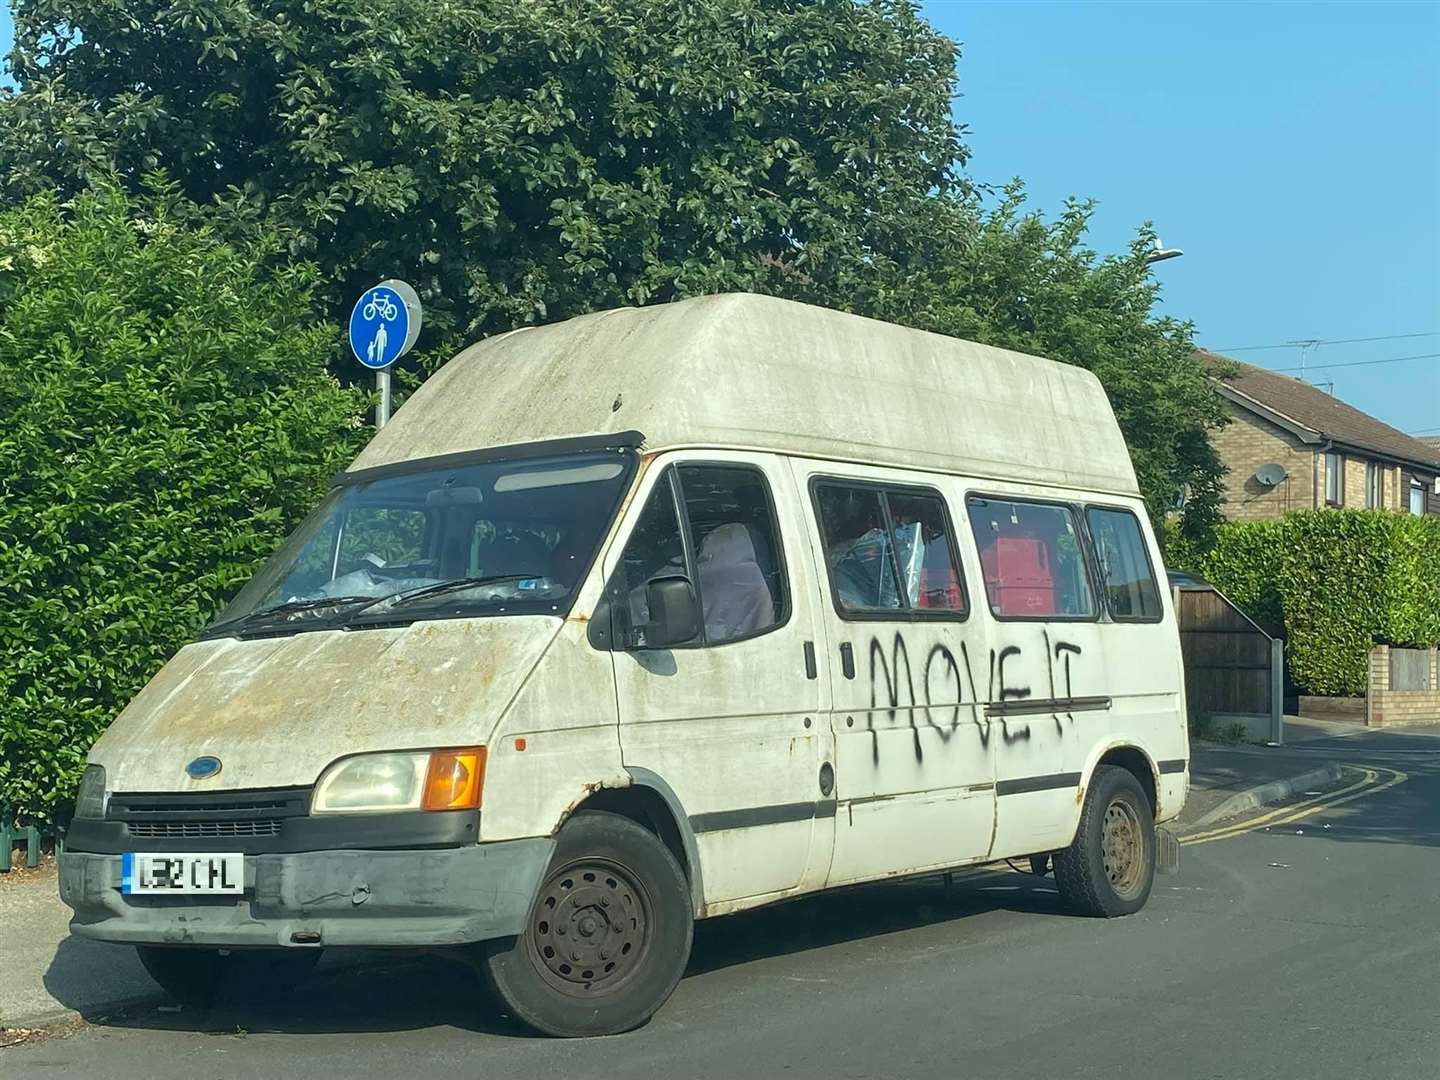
(500, 537)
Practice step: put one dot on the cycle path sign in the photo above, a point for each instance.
(384, 324)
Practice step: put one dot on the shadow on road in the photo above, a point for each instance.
(865, 911)
(382, 991)
(1405, 814)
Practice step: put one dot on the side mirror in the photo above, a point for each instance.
(674, 612)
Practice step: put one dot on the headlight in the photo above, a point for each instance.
(90, 799)
(424, 780)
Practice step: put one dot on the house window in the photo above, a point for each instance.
(1374, 486)
(1417, 496)
(1334, 479)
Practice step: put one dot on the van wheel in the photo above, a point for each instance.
(608, 936)
(197, 977)
(1110, 868)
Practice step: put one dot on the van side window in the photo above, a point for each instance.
(1125, 570)
(735, 562)
(738, 567)
(655, 549)
(1033, 559)
(889, 550)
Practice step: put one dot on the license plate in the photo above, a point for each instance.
(173, 875)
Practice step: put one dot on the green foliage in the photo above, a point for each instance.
(1245, 564)
(1340, 581)
(1224, 732)
(517, 162)
(168, 418)
(1023, 283)
(523, 162)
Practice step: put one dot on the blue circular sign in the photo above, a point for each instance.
(380, 327)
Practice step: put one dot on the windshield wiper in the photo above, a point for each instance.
(439, 588)
(291, 607)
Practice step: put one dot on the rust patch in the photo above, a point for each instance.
(585, 792)
(646, 460)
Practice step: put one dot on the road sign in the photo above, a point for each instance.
(384, 324)
(383, 327)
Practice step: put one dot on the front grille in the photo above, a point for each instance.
(187, 830)
(196, 815)
(140, 807)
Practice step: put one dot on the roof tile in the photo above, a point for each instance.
(1315, 409)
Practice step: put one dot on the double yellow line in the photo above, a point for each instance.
(1375, 780)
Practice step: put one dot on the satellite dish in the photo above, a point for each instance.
(1270, 475)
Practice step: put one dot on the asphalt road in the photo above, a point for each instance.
(1310, 949)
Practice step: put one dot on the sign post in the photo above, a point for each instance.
(383, 327)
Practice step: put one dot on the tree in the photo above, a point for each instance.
(529, 162)
(1012, 279)
(168, 418)
(517, 162)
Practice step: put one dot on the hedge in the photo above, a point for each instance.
(168, 418)
(1338, 581)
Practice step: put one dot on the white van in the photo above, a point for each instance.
(648, 616)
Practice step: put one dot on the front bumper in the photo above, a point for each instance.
(371, 898)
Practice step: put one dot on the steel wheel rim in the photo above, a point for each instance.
(1122, 848)
(591, 929)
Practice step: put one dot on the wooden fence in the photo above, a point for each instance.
(1232, 666)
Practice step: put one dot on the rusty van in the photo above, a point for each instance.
(644, 617)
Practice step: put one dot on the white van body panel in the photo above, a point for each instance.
(565, 718)
(942, 741)
(278, 710)
(913, 750)
(740, 371)
(736, 730)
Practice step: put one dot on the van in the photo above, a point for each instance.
(649, 616)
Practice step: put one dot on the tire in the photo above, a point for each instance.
(1110, 868)
(612, 975)
(199, 977)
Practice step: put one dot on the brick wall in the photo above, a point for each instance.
(1250, 442)
(1385, 707)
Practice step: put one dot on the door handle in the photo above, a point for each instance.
(811, 671)
(847, 660)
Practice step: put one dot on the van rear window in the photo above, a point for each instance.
(1033, 559)
(1130, 589)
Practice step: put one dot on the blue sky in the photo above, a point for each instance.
(1291, 149)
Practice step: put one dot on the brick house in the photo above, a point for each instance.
(1329, 453)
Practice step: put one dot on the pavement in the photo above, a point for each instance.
(1305, 947)
(1227, 780)
(46, 975)
(49, 977)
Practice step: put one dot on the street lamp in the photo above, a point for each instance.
(1161, 253)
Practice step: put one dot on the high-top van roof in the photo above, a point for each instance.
(743, 371)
